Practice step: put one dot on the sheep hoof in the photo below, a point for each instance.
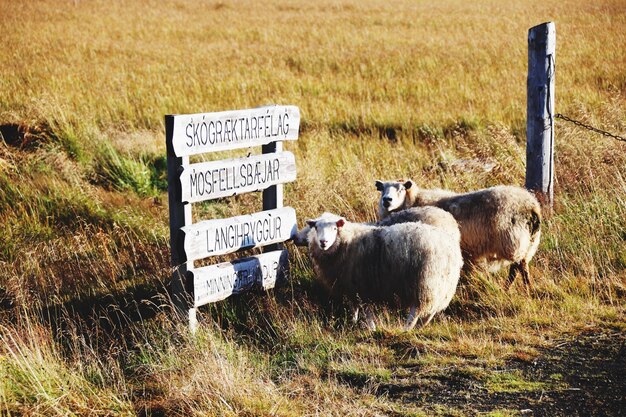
(411, 319)
(369, 319)
(355, 316)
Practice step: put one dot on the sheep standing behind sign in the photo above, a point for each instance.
(501, 223)
(410, 264)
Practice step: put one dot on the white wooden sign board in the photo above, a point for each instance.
(209, 180)
(193, 134)
(211, 132)
(222, 236)
(217, 282)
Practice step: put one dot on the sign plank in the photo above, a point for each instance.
(209, 180)
(222, 236)
(217, 282)
(211, 132)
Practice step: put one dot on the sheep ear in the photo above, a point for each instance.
(341, 222)
(408, 184)
(379, 185)
(311, 222)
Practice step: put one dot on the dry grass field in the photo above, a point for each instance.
(431, 90)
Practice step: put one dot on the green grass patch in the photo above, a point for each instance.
(512, 382)
(501, 413)
(144, 175)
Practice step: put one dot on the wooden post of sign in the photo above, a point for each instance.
(180, 216)
(273, 196)
(540, 113)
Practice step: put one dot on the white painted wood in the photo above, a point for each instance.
(209, 180)
(217, 282)
(211, 132)
(540, 112)
(222, 236)
(192, 319)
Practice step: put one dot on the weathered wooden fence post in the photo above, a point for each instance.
(540, 112)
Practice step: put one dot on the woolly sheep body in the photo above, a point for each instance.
(410, 265)
(431, 215)
(500, 223)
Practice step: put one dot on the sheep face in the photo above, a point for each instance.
(392, 195)
(302, 237)
(326, 230)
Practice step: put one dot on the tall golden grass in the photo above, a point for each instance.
(97, 65)
(434, 91)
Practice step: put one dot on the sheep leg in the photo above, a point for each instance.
(369, 319)
(414, 318)
(355, 315)
(411, 319)
(525, 273)
(423, 321)
(512, 273)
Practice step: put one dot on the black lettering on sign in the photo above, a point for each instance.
(188, 130)
(212, 136)
(234, 129)
(253, 126)
(222, 236)
(202, 131)
(265, 125)
(246, 134)
(240, 235)
(210, 179)
(212, 284)
(196, 138)
(286, 123)
(227, 130)
(216, 282)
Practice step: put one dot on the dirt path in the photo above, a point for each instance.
(584, 375)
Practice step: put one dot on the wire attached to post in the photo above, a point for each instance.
(589, 127)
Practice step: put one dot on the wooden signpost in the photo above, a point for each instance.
(193, 134)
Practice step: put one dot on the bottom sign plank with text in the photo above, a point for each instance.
(217, 282)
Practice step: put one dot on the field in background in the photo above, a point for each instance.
(431, 90)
